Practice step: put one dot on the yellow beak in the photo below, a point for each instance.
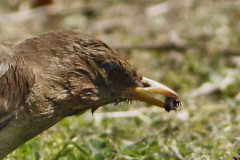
(140, 93)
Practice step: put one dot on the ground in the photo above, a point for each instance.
(205, 73)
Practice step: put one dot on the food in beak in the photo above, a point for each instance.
(140, 93)
(171, 104)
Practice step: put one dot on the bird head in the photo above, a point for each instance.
(101, 76)
(80, 71)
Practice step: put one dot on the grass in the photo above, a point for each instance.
(167, 136)
(207, 126)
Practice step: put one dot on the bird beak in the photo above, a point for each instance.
(140, 93)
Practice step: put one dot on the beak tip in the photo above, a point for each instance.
(171, 101)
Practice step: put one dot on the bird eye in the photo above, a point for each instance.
(108, 68)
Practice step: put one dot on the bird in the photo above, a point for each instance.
(46, 78)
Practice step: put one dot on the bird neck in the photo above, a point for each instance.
(36, 116)
(29, 122)
(23, 128)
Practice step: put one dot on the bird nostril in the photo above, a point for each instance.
(145, 84)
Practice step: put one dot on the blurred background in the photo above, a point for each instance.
(192, 46)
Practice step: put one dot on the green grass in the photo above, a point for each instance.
(202, 134)
(207, 126)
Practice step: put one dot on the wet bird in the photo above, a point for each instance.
(46, 78)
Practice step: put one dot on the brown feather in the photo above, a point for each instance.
(46, 78)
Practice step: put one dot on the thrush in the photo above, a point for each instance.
(46, 78)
